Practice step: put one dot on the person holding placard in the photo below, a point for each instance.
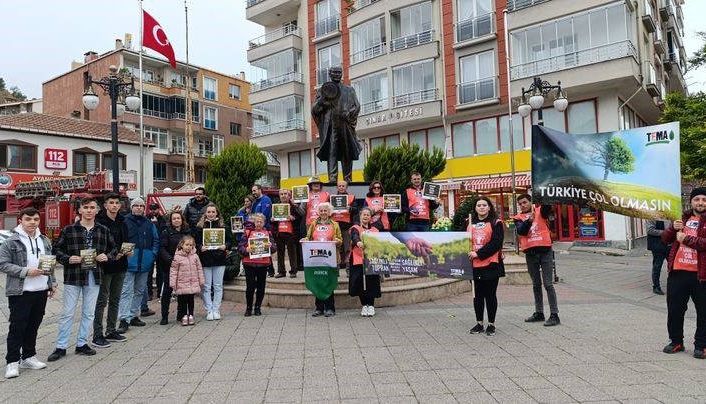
(366, 287)
(27, 289)
(286, 235)
(256, 246)
(376, 202)
(212, 241)
(324, 229)
(342, 215)
(416, 207)
(316, 197)
(486, 254)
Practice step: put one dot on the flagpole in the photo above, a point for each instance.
(142, 126)
(189, 163)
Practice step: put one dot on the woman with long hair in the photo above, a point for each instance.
(366, 287)
(486, 254)
(169, 240)
(213, 261)
(376, 202)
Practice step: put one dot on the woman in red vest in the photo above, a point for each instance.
(375, 201)
(255, 268)
(324, 229)
(486, 249)
(366, 287)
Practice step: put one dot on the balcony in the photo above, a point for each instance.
(276, 81)
(166, 115)
(411, 41)
(374, 106)
(648, 20)
(366, 54)
(650, 78)
(363, 3)
(277, 87)
(416, 97)
(468, 31)
(327, 27)
(658, 42)
(286, 37)
(514, 5)
(280, 135)
(672, 16)
(475, 92)
(271, 12)
(571, 60)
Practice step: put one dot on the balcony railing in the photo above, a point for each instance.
(276, 81)
(292, 124)
(413, 40)
(475, 27)
(514, 5)
(574, 59)
(166, 115)
(363, 3)
(479, 90)
(372, 52)
(251, 3)
(327, 25)
(179, 115)
(416, 97)
(374, 106)
(289, 29)
(675, 57)
(156, 114)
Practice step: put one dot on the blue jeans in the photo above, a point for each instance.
(213, 275)
(134, 286)
(88, 310)
(416, 226)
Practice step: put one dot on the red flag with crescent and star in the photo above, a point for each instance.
(154, 37)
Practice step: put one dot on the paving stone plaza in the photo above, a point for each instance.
(607, 349)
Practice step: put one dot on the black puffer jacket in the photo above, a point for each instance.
(194, 210)
(168, 242)
(212, 258)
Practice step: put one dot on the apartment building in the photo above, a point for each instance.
(434, 73)
(21, 107)
(219, 104)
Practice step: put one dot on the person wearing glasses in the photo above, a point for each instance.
(375, 201)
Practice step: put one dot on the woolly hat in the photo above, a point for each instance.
(137, 201)
(697, 191)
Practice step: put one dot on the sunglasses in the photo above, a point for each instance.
(377, 187)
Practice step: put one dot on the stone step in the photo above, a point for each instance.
(298, 282)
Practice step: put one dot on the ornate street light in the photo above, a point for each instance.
(538, 91)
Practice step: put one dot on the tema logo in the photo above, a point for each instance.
(659, 137)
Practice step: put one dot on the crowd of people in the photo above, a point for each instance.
(117, 274)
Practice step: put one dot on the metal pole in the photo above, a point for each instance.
(113, 93)
(513, 208)
(142, 126)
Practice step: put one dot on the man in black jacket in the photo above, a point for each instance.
(113, 275)
(655, 228)
(196, 207)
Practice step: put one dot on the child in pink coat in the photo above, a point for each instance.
(186, 278)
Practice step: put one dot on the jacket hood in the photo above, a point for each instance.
(171, 230)
(136, 218)
(103, 215)
(22, 233)
(184, 254)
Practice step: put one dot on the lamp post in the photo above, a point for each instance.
(120, 87)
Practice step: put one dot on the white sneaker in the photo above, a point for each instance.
(216, 315)
(364, 311)
(371, 311)
(32, 363)
(12, 370)
(209, 316)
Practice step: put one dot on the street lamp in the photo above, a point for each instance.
(537, 91)
(120, 87)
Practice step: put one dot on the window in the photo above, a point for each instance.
(85, 161)
(474, 19)
(389, 141)
(372, 92)
(411, 26)
(159, 171)
(477, 78)
(159, 136)
(582, 117)
(178, 144)
(210, 118)
(277, 69)
(200, 174)
(278, 115)
(235, 129)
(429, 139)
(368, 40)
(462, 136)
(108, 161)
(327, 57)
(487, 136)
(300, 164)
(217, 145)
(210, 89)
(327, 17)
(413, 83)
(177, 173)
(18, 156)
(552, 118)
(233, 91)
(518, 137)
(204, 147)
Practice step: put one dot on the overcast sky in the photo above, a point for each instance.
(42, 37)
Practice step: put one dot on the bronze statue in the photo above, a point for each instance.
(335, 112)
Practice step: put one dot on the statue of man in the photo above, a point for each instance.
(335, 112)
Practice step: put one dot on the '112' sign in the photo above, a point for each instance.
(55, 159)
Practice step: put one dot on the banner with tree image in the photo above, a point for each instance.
(432, 254)
(633, 172)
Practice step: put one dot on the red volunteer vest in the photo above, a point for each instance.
(539, 234)
(323, 232)
(686, 258)
(312, 206)
(357, 251)
(252, 233)
(376, 202)
(344, 217)
(285, 226)
(418, 206)
(481, 233)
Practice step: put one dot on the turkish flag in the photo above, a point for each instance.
(154, 37)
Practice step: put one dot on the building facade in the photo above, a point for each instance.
(21, 107)
(434, 73)
(219, 104)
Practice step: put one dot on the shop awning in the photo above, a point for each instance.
(483, 184)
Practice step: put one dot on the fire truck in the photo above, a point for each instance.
(57, 198)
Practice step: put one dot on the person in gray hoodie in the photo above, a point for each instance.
(27, 290)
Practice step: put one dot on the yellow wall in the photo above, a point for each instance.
(488, 164)
(223, 84)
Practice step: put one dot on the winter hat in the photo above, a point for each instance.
(137, 201)
(698, 191)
